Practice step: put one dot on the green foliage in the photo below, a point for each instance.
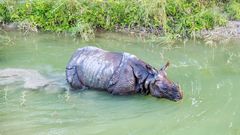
(83, 30)
(177, 18)
(4, 14)
(233, 9)
(185, 17)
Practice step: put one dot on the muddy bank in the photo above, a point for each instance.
(230, 31)
(24, 26)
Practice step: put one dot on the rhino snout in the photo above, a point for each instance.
(179, 94)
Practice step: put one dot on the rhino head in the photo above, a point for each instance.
(160, 86)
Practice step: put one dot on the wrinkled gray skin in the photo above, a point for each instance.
(119, 74)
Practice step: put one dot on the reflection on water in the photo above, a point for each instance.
(208, 75)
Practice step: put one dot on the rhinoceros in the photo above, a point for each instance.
(119, 74)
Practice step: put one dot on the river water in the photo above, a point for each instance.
(208, 75)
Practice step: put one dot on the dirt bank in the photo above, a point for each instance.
(230, 31)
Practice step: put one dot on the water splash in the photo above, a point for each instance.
(201, 113)
(230, 58)
(23, 98)
(5, 93)
(213, 54)
(196, 89)
(220, 84)
(230, 125)
(67, 95)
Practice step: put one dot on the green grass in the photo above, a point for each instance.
(174, 18)
(233, 9)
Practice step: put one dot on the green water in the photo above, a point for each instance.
(209, 77)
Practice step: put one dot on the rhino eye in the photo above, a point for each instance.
(164, 88)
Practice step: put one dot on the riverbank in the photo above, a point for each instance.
(213, 36)
(220, 34)
(145, 18)
(231, 30)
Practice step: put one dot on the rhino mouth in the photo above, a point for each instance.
(178, 95)
(175, 97)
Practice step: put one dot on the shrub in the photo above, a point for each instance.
(178, 18)
(233, 9)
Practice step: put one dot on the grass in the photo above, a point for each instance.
(233, 9)
(172, 18)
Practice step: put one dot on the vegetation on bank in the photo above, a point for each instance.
(174, 18)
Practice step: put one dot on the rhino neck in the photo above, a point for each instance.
(143, 74)
(147, 82)
(144, 85)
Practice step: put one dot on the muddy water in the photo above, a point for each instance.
(209, 76)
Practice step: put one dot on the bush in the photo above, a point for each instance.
(184, 17)
(233, 9)
(4, 14)
(179, 18)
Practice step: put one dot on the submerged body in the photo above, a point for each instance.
(118, 73)
(29, 79)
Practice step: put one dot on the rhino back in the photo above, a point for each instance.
(94, 66)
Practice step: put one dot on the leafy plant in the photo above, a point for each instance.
(172, 18)
(233, 9)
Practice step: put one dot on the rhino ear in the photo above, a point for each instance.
(165, 66)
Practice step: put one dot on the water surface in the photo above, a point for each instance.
(209, 77)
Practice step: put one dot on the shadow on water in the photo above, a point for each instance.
(209, 76)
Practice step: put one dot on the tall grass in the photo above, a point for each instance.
(177, 18)
(233, 9)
